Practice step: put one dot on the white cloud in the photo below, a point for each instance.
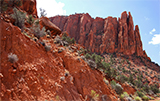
(155, 39)
(146, 18)
(51, 6)
(153, 30)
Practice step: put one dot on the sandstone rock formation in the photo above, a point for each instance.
(107, 35)
(30, 7)
(44, 21)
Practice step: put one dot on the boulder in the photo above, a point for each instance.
(45, 22)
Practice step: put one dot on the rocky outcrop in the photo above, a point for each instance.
(30, 7)
(44, 21)
(109, 35)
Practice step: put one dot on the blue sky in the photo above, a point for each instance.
(145, 13)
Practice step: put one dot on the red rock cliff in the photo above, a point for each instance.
(107, 35)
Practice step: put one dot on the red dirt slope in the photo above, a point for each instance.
(40, 75)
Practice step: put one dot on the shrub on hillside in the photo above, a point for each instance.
(113, 84)
(145, 98)
(137, 98)
(131, 79)
(37, 31)
(94, 96)
(108, 72)
(122, 97)
(68, 39)
(12, 58)
(140, 94)
(118, 88)
(30, 19)
(113, 73)
(92, 64)
(98, 61)
(19, 17)
(122, 78)
(87, 56)
(138, 83)
(146, 87)
(106, 81)
(155, 88)
(106, 65)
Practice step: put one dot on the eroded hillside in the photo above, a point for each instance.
(40, 62)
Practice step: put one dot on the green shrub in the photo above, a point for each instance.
(113, 73)
(140, 94)
(37, 31)
(138, 83)
(118, 88)
(97, 59)
(12, 58)
(36, 22)
(68, 39)
(87, 56)
(155, 88)
(122, 97)
(139, 77)
(125, 94)
(131, 79)
(73, 41)
(137, 98)
(145, 98)
(107, 68)
(106, 65)
(113, 84)
(19, 17)
(92, 64)
(108, 72)
(123, 70)
(122, 78)
(146, 87)
(106, 81)
(94, 95)
(30, 19)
